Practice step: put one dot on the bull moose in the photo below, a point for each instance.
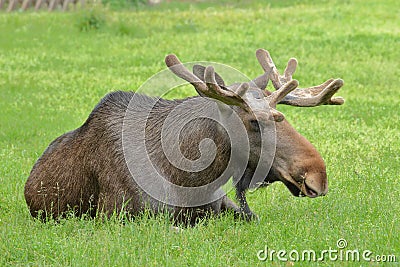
(136, 152)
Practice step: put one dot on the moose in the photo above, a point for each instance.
(136, 152)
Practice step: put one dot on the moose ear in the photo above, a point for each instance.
(276, 115)
(199, 71)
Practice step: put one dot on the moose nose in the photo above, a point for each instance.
(316, 184)
(323, 193)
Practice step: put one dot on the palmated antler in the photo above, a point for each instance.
(303, 97)
(208, 86)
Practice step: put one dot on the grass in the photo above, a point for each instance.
(52, 73)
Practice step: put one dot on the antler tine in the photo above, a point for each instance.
(199, 71)
(338, 100)
(326, 95)
(226, 96)
(290, 69)
(281, 93)
(262, 80)
(174, 64)
(267, 64)
(242, 89)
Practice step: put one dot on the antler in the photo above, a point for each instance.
(303, 97)
(209, 87)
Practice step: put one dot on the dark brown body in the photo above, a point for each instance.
(85, 170)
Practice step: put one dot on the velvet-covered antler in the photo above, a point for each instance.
(302, 97)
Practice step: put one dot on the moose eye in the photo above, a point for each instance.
(256, 95)
(255, 126)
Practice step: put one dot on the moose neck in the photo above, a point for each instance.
(188, 146)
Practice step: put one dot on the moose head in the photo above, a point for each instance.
(296, 162)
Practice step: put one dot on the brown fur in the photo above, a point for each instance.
(85, 169)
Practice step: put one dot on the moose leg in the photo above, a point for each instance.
(228, 205)
(190, 216)
(241, 186)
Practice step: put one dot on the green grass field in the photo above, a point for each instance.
(54, 68)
